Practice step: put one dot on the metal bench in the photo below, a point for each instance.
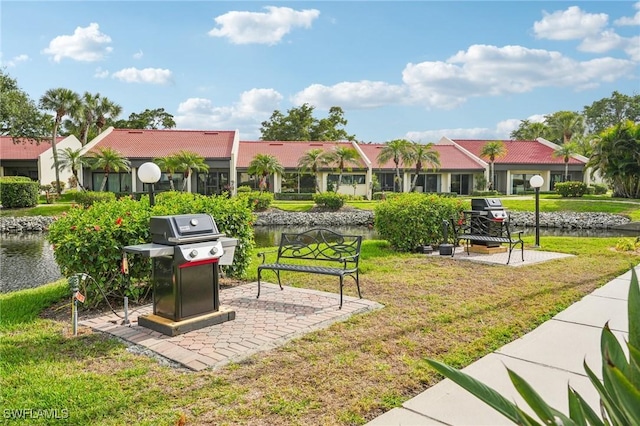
(313, 252)
(487, 232)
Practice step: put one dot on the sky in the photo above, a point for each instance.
(417, 70)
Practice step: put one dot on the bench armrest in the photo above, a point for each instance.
(263, 254)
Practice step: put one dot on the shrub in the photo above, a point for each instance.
(18, 192)
(88, 198)
(571, 189)
(379, 196)
(243, 188)
(91, 240)
(256, 200)
(600, 189)
(411, 220)
(329, 200)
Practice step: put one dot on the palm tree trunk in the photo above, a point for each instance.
(185, 181)
(104, 181)
(566, 170)
(171, 186)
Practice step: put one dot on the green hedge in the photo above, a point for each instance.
(294, 196)
(18, 192)
(571, 188)
(90, 240)
(88, 198)
(257, 201)
(411, 220)
(329, 200)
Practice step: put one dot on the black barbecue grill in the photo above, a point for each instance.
(186, 251)
(487, 217)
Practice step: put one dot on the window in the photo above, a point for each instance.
(348, 179)
(116, 182)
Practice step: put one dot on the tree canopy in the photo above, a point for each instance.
(20, 117)
(300, 125)
(148, 119)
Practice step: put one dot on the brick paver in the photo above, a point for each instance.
(260, 324)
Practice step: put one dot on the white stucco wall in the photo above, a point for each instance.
(46, 171)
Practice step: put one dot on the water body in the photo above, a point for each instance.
(26, 260)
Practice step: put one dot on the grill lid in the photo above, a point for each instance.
(183, 229)
(486, 204)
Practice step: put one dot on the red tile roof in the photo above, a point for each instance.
(518, 152)
(161, 143)
(288, 153)
(451, 158)
(22, 151)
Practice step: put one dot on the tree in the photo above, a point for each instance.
(300, 125)
(528, 131)
(342, 157)
(168, 164)
(19, 115)
(63, 102)
(92, 112)
(399, 151)
(108, 110)
(617, 157)
(187, 161)
(492, 150)
(609, 112)
(148, 119)
(264, 165)
(563, 125)
(424, 157)
(565, 151)
(72, 159)
(109, 160)
(313, 160)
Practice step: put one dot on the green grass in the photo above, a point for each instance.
(349, 373)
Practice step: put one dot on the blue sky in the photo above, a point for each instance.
(417, 69)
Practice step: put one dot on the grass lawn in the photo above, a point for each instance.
(349, 373)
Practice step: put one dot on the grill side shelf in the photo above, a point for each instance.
(150, 250)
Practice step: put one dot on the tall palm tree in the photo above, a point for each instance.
(343, 157)
(63, 102)
(72, 159)
(565, 124)
(187, 161)
(424, 157)
(565, 151)
(398, 150)
(109, 160)
(106, 109)
(493, 150)
(313, 160)
(168, 164)
(264, 165)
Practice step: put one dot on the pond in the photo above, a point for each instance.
(27, 259)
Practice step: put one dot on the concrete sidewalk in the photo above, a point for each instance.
(549, 358)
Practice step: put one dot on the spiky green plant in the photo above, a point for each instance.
(619, 390)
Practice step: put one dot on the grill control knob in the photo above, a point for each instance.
(213, 250)
(194, 222)
(193, 253)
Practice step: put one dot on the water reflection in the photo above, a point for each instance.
(26, 261)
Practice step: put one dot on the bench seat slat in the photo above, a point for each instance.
(307, 268)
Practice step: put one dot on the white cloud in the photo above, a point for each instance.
(632, 48)
(147, 75)
(634, 20)
(86, 44)
(254, 106)
(603, 42)
(569, 24)
(138, 55)
(100, 73)
(262, 28)
(16, 60)
(502, 131)
(485, 70)
(361, 94)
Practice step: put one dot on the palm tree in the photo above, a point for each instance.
(63, 102)
(565, 151)
(168, 164)
(493, 150)
(106, 109)
(564, 125)
(72, 159)
(313, 160)
(398, 150)
(187, 161)
(342, 157)
(424, 157)
(109, 160)
(264, 165)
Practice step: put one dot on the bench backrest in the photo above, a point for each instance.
(320, 244)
